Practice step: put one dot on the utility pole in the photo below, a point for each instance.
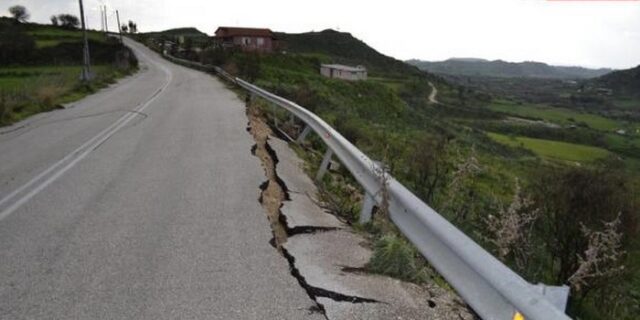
(119, 26)
(106, 20)
(101, 19)
(86, 68)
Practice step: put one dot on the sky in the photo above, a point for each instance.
(585, 33)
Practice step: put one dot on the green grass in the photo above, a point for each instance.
(632, 104)
(56, 33)
(47, 43)
(556, 115)
(395, 84)
(24, 78)
(49, 36)
(25, 91)
(52, 77)
(555, 150)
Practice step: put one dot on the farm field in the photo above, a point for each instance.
(628, 103)
(556, 115)
(49, 36)
(553, 150)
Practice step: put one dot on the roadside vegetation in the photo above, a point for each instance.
(550, 189)
(41, 64)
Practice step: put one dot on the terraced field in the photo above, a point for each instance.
(553, 150)
(556, 115)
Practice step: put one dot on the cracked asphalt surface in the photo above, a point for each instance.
(140, 202)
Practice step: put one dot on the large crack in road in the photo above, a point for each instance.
(273, 193)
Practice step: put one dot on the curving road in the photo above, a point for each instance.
(140, 202)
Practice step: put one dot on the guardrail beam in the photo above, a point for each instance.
(490, 287)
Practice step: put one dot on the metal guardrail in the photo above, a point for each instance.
(492, 289)
(191, 64)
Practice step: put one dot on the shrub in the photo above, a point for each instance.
(47, 95)
(395, 257)
(3, 106)
(15, 45)
(68, 21)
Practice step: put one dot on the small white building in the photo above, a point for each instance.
(339, 71)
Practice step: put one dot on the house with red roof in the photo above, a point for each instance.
(246, 39)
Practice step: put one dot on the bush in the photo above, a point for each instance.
(47, 95)
(15, 45)
(71, 53)
(68, 21)
(3, 106)
(393, 256)
(214, 56)
(248, 66)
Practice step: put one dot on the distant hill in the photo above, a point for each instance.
(342, 47)
(503, 69)
(187, 32)
(625, 82)
(197, 37)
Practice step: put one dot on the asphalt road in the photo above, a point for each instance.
(140, 202)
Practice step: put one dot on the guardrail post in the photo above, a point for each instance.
(557, 295)
(303, 134)
(325, 164)
(274, 115)
(367, 208)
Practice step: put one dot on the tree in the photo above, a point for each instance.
(573, 205)
(603, 257)
(133, 27)
(429, 165)
(54, 20)
(19, 13)
(510, 230)
(124, 28)
(68, 21)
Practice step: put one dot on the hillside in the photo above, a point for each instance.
(191, 35)
(41, 65)
(187, 32)
(624, 82)
(504, 69)
(342, 47)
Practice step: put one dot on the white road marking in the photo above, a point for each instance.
(78, 154)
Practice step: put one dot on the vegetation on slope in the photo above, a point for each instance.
(342, 47)
(524, 201)
(41, 67)
(177, 32)
(504, 69)
(554, 149)
(623, 82)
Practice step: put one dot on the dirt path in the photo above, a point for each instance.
(434, 93)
